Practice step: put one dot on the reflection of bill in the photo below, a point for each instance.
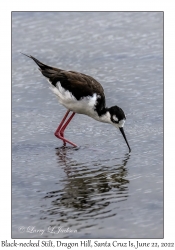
(57, 230)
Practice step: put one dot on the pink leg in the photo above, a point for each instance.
(59, 133)
(66, 123)
(61, 123)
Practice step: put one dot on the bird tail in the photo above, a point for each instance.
(51, 73)
(41, 65)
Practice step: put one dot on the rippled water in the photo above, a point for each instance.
(98, 190)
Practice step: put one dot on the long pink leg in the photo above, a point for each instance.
(61, 123)
(64, 127)
(59, 133)
(66, 123)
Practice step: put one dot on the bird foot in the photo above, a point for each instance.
(61, 137)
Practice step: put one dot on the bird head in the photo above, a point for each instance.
(118, 119)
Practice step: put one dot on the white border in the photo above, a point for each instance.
(5, 105)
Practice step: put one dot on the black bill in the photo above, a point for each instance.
(123, 133)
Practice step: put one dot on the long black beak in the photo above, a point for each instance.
(123, 133)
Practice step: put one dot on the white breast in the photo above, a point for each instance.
(83, 106)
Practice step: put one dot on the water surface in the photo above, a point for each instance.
(99, 190)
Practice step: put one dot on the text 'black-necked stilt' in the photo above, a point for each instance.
(80, 94)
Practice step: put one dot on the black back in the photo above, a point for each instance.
(80, 85)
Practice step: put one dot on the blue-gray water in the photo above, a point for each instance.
(97, 191)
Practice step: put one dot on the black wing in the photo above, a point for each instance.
(80, 85)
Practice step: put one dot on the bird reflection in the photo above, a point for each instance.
(88, 189)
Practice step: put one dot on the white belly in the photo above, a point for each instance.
(83, 106)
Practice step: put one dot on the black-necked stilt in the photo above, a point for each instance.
(80, 94)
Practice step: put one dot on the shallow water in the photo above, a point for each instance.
(97, 190)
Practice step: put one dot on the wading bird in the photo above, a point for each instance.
(80, 94)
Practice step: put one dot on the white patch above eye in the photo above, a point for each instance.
(115, 118)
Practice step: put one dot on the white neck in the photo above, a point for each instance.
(106, 118)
